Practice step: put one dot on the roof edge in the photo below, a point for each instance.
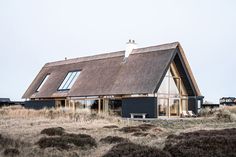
(187, 65)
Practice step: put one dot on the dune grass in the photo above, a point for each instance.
(22, 129)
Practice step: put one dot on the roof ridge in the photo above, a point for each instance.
(113, 54)
(156, 48)
(86, 58)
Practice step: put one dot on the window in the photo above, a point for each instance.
(69, 80)
(44, 80)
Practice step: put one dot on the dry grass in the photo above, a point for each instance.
(22, 129)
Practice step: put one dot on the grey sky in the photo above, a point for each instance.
(35, 32)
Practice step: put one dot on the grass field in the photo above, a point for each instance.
(22, 133)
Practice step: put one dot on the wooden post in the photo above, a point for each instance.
(99, 105)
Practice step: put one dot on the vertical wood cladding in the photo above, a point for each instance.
(139, 105)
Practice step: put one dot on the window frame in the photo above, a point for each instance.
(68, 81)
(43, 82)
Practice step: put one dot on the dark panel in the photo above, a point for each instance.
(139, 105)
(39, 104)
(192, 105)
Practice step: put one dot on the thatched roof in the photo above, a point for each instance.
(111, 74)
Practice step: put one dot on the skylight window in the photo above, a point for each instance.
(69, 80)
(44, 80)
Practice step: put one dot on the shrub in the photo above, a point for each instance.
(111, 126)
(114, 139)
(133, 150)
(218, 143)
(226, 115)
(232, 109)
(57, 142)
(145, 127)
(6, 142)
(205, 112)
(140, 134)
(139, 128)
(11, 152)
(130, 129)
(53, 131)
(81, 140)
(67, 140)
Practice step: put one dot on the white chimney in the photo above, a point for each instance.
(130, 45)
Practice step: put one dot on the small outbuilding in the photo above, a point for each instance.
(154, 81)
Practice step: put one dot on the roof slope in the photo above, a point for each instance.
(108, 74)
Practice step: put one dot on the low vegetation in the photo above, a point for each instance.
(133, 150)
(139, 128)
(59, 133)
(114, 139)
(53, 131)
(217, 143)
(111, 126)
(11, 152)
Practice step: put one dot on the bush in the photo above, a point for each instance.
(140, 134)
(57, 142)
(205, 112)
(11, 152)
(145, 127)
(133, 150)
(111, 126)
(114, 139)
(139, 128)
(232, 109)
(217, 143)
(66, 141)
(6, 142)
(130, 129)
(53, 131)
(226, 115)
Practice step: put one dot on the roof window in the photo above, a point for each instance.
(69, 80)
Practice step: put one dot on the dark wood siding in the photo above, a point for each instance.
(139, 105)
(39, 104)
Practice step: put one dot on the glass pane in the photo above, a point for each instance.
(65, 81)
(174, 86)
(44, 80)
(163, 107)
(164, 86)
(80, 104)
(69, 80)
(73, 80)
(174, 107)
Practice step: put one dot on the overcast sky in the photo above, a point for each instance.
(39, 31)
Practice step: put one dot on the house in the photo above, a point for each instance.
(156, 81)
(8, 102)
(4, 101)
(228, 101)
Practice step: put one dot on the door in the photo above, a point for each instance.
(169, 107)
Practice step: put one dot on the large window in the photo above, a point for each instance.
(69, 80)
(172, 98)
(44, 80)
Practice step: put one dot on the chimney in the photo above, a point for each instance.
(130, 45)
